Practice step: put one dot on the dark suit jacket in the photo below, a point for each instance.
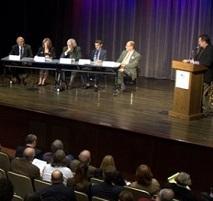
(205, 57)
(20, 150)
(42, 54)
(27, 50)
(75, 54)
(106, 191)
(133, 64)
(57, 192)
(102, 55)
(24, 167)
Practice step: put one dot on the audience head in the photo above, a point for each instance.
(47, 43)
(98, 44)
(74, 164)
(108, 160)
(204, 40)
(126, 196)
(59, 158)
(183, 179)
(71, 43)
(85, 157)
(165, 194)
(29, 154)
(31, 140)
(130, 45)
(56, 145)
(109, 174)
(144, 175)
(81, 172)
(20, 41)
(6, 189)
(57, 177)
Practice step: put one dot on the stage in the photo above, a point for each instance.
(133, 126)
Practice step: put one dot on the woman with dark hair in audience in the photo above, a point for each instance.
(47, 50)
(145, 180)
(80, 181)
(108, 161)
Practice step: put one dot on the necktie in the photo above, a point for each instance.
(96, 55)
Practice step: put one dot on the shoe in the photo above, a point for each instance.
(87, 86)
(116, 92)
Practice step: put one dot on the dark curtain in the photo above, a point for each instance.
(162, 29)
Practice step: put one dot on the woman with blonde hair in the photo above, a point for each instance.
(108, 161)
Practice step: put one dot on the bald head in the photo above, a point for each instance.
(29, 153)
(85, 156)
(56, 177)
(166, 194)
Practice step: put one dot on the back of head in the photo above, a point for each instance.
(31, 139)
(57, 177)
(85, 156)
(144, 175)
(108, 160)
(29, 154)
(59, 158)
(183, 179)
(6, 190)
(166, 195)
(126, 196)
(109, 174)
(56, 145)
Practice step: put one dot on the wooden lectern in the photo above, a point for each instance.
(187, 101)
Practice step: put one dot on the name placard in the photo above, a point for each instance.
(14, 57)
(84, 61)
(65, 61)
(111, 64)
(39, 59)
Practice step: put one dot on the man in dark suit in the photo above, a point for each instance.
(57, 191)
(97, 56)
(24, 165)
(30, 141)
(129, 60)
(205, 57)
(23, 50)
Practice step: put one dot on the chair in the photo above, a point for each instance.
(17, 198)
(39, 184)
(22, 184)
(3, 173)
(81, 196)
(138, 193)
(94, 198)
(4, 162)
(94, 180)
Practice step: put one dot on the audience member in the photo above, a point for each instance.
(165, 194)
(30, 141)
(85, 158)
(57, 191)
(107, 161)
(181, 187)
(106, 189)
(80, 181)
(58, 163)
(24, 164)
(145, 180)
(6, 189)
(126, 196)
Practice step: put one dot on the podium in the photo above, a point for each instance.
(187, 100)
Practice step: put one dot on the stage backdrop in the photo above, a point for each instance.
(162, 29)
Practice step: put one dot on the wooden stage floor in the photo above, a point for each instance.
(143, 109)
